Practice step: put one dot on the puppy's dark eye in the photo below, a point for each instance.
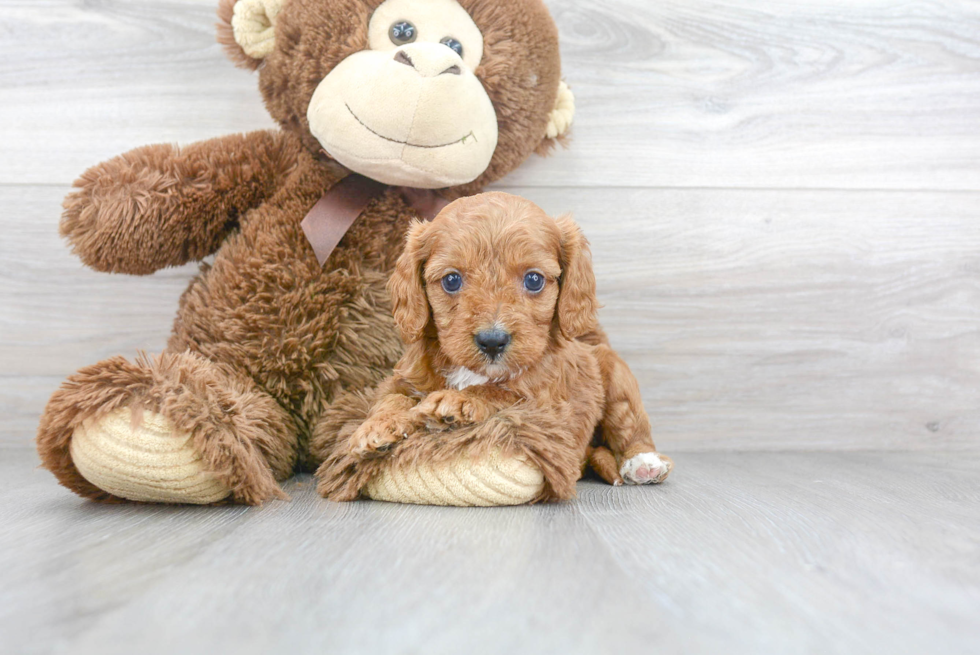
(453, 45)
(402, 32)
(452, 282)
(533, 282)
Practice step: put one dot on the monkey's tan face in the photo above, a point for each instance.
(409, 110)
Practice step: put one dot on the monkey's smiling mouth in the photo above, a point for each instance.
(465, 138)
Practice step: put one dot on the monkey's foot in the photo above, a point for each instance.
(143, 458)
(495, 480)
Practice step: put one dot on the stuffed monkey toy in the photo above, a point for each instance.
(387, 110)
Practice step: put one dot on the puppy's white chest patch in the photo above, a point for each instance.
(462, 377)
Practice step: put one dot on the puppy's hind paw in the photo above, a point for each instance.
(646, 468)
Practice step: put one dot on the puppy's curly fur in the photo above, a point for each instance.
(555, 392)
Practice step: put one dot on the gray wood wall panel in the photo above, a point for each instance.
(784, 203)
(753, 318)
(789, 94)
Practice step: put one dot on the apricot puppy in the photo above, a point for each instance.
(496, 304)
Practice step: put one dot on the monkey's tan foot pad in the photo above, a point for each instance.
(646, 468)
(147, 462)
(465, 482)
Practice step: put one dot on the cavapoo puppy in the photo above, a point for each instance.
(496, 304)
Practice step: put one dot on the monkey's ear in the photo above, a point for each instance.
(560, 118)
(409, 304)
(577, 304)
(248, 29)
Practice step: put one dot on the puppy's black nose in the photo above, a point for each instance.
(492, 342)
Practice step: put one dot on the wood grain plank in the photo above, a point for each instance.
(736, 553)
(22, 399)
(692, 93)
(68, 561)
(807, 552)
(842, 320)
(125, 73)
(308, 576)
(753, 319)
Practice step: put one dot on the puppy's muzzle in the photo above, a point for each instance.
(492, 343)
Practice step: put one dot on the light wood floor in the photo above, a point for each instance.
(784, 204)
(741, 553)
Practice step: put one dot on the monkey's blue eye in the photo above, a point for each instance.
(452, 282)
(533, 282)
(453, 45)
(402, 32)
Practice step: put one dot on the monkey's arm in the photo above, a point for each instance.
(161, 205)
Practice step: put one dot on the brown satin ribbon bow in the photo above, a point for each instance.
(334, 213)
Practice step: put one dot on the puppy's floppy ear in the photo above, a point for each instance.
(410, 305)
(577, 304)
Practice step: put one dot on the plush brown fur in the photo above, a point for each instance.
(544, 397)
(243, 435)
(160, 205)
(520, 69)
(266, 337)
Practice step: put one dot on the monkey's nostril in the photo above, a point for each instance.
(452, 70)
(492, 342)
(403, 58)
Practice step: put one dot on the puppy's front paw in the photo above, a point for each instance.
(645, 468)
(450, 408)
(378, 434)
